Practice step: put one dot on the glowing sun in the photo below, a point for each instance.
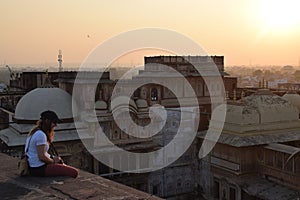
(280, 14)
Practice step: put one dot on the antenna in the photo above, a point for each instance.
(59, 60)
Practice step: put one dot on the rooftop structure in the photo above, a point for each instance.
(85, 186)
(257, 154)
(28, 111)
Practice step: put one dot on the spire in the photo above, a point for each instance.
(243, 95)
(60, 69)
(234, 95)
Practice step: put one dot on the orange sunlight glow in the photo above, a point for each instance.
(280, 15)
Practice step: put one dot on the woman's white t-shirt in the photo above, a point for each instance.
(38, 138)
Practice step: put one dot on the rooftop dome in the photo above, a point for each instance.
(271, 108)
(258, 112)
(122, 101)
(141, 103)
(100, 105)
(38, 100)
(294, 98)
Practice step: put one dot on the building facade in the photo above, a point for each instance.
(257, 154)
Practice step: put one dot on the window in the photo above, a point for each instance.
(232, 193)
(154, 95)
(137, 93)
(103, 168)
(155, 189)
(297, 165)
(269, 158)
(179, 182)
(216, 189)
(288, 164)
(187, 185)
(174, 124)
(116, 135)
(260, 156)
(279, 160)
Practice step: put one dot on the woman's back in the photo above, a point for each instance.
(38, 138)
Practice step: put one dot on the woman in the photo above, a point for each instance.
(37, 146)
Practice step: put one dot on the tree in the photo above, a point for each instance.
(297, 75)
(258, 73)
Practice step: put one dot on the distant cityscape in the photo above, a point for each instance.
(247, 76)
(255, 156)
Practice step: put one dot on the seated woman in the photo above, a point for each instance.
(37, 146)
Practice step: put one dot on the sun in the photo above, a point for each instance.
(280, 14)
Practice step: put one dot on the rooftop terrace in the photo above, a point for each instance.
(85, 186)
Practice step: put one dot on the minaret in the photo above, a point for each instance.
(59, 61)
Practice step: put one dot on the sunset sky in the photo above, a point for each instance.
(244, 31)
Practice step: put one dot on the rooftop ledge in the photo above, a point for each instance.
(85, 186)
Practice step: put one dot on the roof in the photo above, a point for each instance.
(85, 186)
(257, 113)
(261, 138)
(264, 189)
(283, 148)
(12, 137)
(294, 98)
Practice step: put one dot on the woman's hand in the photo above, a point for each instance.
(57, 159)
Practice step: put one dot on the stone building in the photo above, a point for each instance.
(18, 87)
(157, 183)
(97, 109)
(26, 114)
(31, 80)
(95, 90)
(257, 154)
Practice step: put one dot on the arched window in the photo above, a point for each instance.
(154, 95)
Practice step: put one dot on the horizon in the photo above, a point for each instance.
(121, 65)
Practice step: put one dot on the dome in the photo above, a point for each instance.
(294, 98)
(258, 113)
(141, 103)
(271, 108)
(38, 100)
(122, 101)
(100, 105)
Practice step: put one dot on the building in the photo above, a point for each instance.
(31, 80)
(96, 107)
(257, 155)
(27, 112)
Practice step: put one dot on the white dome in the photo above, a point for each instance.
(294, 98)
(141, 103)
(100, 105)
(122, 101)
(257, 113)
(272, 108)
(38, 100)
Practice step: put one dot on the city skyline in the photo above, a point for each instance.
(245, 32)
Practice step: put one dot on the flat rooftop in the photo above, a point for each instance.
(85, 186)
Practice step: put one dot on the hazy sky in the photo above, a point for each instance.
(244, 31)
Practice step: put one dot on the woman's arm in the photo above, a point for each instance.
(41, 150)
